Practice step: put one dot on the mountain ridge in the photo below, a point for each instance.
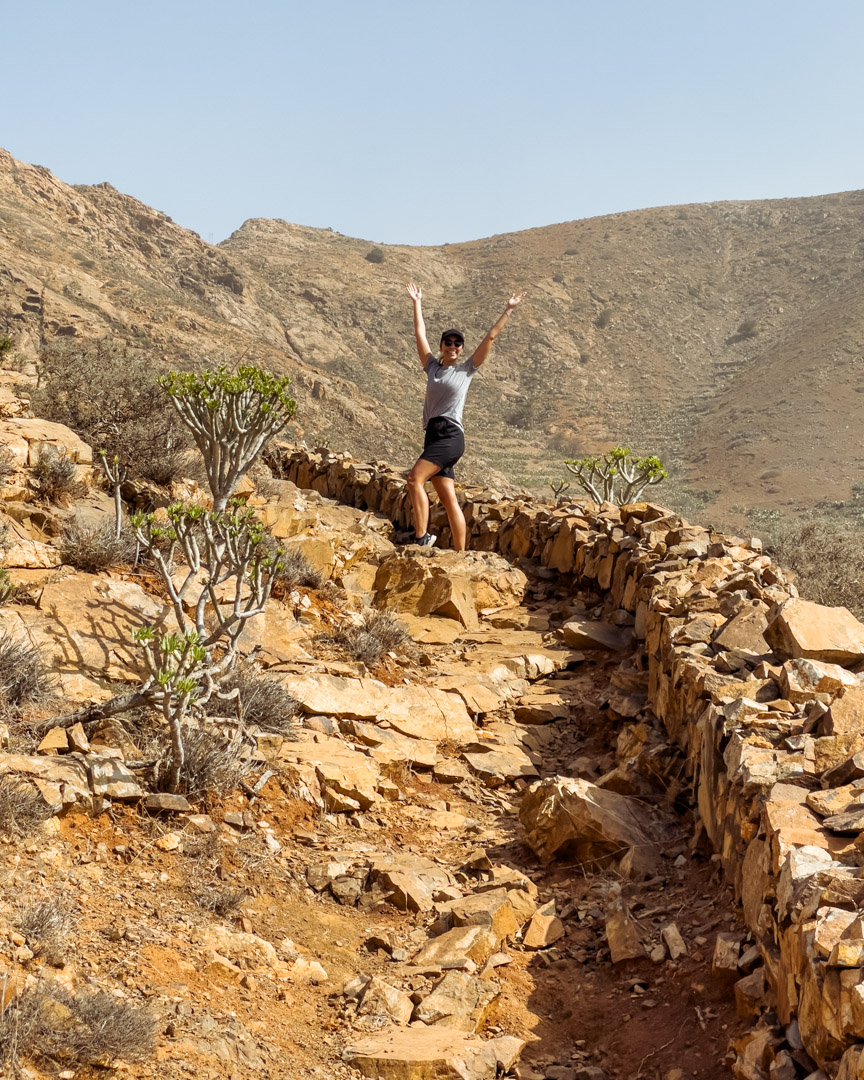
(632, 330)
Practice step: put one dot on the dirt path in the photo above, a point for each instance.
(251, 934)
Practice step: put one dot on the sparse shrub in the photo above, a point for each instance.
(376, 255)
(108, 393)
(747, 329)
(46, 925)
(6, 347)
(378, 633)
(56, 474)
(604, 318)
(23, 676)
(558, 488)
(828, 561)
(524, 416)
(618, 476)
(212, 764)
(49, 1023)
(92, 548)
(22, 808)
(294, 569)
(572, 251)
(264, 701)
(221, 899)
(558, 279)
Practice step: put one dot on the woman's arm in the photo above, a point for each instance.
(485, 346)
(423, 350)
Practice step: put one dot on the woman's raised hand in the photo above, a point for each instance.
(515, 299)
(414, 291)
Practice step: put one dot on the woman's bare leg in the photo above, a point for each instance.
(447, 494)
(423, 470)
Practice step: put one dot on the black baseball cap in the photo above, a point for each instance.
(454, 333)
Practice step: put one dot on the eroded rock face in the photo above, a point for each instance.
(454, 584)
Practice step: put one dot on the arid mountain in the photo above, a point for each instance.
(728, 337)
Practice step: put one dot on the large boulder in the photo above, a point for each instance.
(590, 823)
(455, 584)
(800, 628)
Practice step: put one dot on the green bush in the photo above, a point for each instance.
(618, 476)
(376, 255)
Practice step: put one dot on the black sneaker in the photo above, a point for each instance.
(426, 540)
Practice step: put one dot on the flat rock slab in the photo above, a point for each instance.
(588, 634)
(432, 1054)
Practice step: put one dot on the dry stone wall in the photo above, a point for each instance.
(757, 687)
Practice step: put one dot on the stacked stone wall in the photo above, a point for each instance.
(754, 686)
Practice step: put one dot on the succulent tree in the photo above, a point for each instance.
(231, 415)
(225, 579)
(618, 476)
(218, 572)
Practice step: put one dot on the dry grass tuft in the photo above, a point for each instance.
(57, 475)
(48, 1024)
(22, 808)
(23, 676)
(378, 633)
(213, 765)
(295, 570)
(828, 561)
(46, 925)
(264, 701)
(92, 548)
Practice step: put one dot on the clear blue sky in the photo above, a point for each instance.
(442, 121)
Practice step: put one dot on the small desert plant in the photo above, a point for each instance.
(49, 1023)
(212, 764)
(8, 465)
(747, 329)
(294, 569)
(56, 474)
(8, 588)
(828, 561)
(232, 416)
(558, 488)
(221, 899)
(604, 318)
(6, 347)
(618, 476)
(23, 676)
(22, 808)
(264, 701)
(46, 925)
(92, 548)
(377, 633)
(376, 255)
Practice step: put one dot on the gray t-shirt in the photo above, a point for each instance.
(446, 389)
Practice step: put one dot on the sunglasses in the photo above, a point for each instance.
(453, 341)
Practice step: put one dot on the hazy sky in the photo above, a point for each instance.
(442, 121)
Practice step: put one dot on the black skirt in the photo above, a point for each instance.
(444, 444)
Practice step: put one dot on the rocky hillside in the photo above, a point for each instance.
(727, 336)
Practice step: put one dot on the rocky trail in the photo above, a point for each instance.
(410, 930)
(505, 845)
